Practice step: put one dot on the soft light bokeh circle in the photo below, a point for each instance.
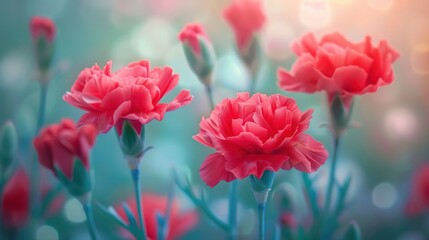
(384, 195)
(46, 232)
(73, 211)
(276, 39)
(315, 14)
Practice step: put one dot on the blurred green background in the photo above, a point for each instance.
(381, 155)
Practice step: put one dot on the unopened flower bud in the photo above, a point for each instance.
(198, 51)
(43, 32)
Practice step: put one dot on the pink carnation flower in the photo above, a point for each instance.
(245, 17)
(59, 145)
(15, 200)
(252, 134)
(418, 201)
(42, 26)
(133, 92)
(338, 66)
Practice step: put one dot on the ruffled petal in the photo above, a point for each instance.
(212, 171)
(307, 155)
(183, 98)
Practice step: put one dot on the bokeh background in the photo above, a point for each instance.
(381, 155)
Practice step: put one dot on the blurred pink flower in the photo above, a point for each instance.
(59, 145)
(191, 34)
(287, 219)
(134, 92)
(42, 26)
(179, 223)
(15, 200)
(418, 201)
(245, 17)
(252, 134)
(338, 66)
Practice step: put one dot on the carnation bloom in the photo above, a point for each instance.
(42, 26)
(419, 199)
(245, 17)
(59, 145)
(338, 66)
(134, 93)
(252, 134)
(15, 200)
(179, 222)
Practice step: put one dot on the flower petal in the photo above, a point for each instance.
(212, 171)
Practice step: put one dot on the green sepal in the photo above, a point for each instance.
(203, 64)
(81, 178)
(352, 232)
(264, 183)
(80, 183)
(44, 53)
(250, 55)
(130, 141)
(340, 114)
(8, 145)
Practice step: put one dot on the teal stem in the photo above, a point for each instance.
(261, 220)
(232, 213)
(201, 204)
(277, 232)
(252, 85)
(209, 92)
(165, 224)
(327, 214)
(42, 107)
(87, 208)
(34, 173)
(136, 180)
(312, 196)
(332, 175)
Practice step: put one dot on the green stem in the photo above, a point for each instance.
(210, 97)
(261, 220)
(42, 107)
(232, 213)
(87, 208)
(34, 173)
(327, 215)
(252, 84)
(136, 180)
(163, 228)
(332, 175)
(200, 203)
(312, 196)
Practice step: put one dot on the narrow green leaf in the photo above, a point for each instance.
(352, 232)
(8, 144)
